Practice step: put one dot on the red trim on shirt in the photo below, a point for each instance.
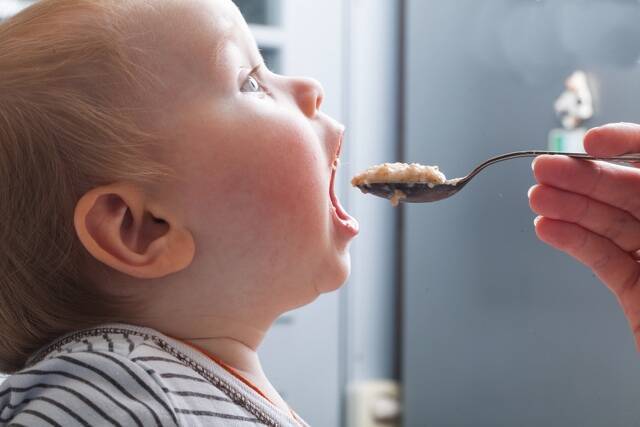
(236, 374)
(229, 369)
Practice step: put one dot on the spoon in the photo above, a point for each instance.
(421, 192)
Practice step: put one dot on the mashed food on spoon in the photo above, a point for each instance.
(400, 173)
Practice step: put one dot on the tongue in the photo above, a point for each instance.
(342, 214)
(340, 211)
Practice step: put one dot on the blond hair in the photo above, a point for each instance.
(70, 95)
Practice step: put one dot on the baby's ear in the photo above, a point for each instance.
(116, 224)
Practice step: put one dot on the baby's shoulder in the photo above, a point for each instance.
(90, 381)
(118, 377)
(104, 343)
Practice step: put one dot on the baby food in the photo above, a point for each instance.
(400, 173)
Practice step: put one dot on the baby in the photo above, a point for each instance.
(164, 198)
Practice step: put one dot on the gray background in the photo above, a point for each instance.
(501, 330)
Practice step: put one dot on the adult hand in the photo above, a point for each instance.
(591, 211)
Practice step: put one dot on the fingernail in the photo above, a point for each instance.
(533, 164)
(529, 192)
(536, 220)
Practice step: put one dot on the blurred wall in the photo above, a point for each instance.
(500, 330)
(314, 354)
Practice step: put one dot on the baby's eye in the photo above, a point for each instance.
(251, 85)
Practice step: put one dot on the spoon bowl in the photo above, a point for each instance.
(420, 192)
(413, 192)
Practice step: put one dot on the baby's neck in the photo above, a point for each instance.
(244, 360)
(230, 351)
(232, 342)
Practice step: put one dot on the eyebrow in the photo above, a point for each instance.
(217, 56)
(224, 38)
(217, 51)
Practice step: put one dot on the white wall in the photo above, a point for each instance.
(303, 355)
(11, 7)
(373, 117)
(348, 336)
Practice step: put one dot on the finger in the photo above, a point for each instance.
(615, 185)
(615, 224)
(613, 140)
(619, 271)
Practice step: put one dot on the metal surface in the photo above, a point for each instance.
(418, 192)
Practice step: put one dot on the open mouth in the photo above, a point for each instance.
(340, 213)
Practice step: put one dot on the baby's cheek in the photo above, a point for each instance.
(279, 181)
(291, 182)
(266, 180)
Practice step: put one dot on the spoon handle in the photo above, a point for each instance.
(516, 154)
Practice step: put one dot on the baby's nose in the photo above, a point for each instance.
(309, 95)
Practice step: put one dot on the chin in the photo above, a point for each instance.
(337, 275)
(328, 280)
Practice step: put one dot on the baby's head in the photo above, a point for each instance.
(154, 171)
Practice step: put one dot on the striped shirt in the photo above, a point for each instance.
(122, 375)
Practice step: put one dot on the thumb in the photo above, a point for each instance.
(613, 140)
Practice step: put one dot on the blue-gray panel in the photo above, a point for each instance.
(262, 12)
(501, 330)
